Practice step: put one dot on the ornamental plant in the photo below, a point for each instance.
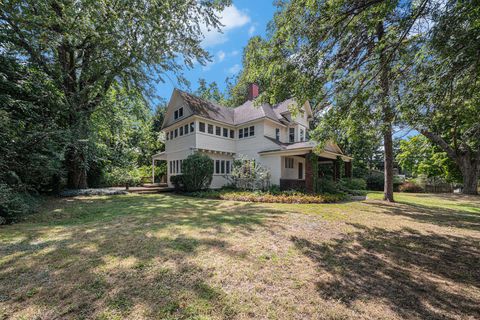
(197, 172)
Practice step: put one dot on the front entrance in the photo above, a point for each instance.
(300, 171)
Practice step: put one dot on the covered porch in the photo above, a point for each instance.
(300, 165)
(162, 156)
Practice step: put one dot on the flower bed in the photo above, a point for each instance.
(277, 197)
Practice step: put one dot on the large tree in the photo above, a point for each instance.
(345, 57)
(86, 46)
(442, 98)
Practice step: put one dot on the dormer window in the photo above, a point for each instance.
(291, 136)
(178, 113)
(277, 134)
(302, 135)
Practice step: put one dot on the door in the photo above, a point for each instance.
(300, 171)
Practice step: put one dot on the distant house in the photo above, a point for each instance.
(268, 134)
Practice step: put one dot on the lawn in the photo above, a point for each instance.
(169, 257)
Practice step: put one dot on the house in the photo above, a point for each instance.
(271, 135)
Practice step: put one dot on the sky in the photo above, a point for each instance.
(242, 20)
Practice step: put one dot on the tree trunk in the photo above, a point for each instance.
(387, 114)
(76, 168)
(388, 154)
(470, 177)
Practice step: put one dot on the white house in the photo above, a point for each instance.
(268, 134)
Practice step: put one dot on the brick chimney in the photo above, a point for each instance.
(252, 91)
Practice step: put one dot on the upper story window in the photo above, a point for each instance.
(201, 126)
(192, 126)
(246, 132)
(232, 134)
(178, 113)
(181, 131)
(210, 128)
(291, 135)
(277, 134)
(218, 131)
(176, 132)
(302, 135)
(225, 132)
(289, 163)
(185, 129)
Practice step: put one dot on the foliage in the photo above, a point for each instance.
(197, 172)
(14, 203)
(409, 186)
(211, 92)
(270, 197)
(419, 157)
(442, 94)
(376, 180)
(249, 174)
(353, 183)
(84, 47)
(128, 177)
(177, 181)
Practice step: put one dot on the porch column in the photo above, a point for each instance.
(153, 171)
(308, 174)
(348, 169)
(336, 170)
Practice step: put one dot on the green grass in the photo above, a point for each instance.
(170, 257)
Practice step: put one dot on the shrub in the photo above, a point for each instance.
(197, 172)
(177, 182)
(14, 203)
(376, 181)
(126, 177)
(410, 187)
(248, 174)
(326, 185)
(353, 184)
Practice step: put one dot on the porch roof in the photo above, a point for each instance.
(302, 148)
(160, 156)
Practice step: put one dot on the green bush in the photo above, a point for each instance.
(177, 182)
(123, 177)
(376, 181)
(197, 172)
(326, 185)
(14, 203)
(353, 184)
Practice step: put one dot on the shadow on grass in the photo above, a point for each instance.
(427, 276)
(434, 215)
(105, 258)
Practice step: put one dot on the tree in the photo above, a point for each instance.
(86, 46)
(342, 55)
(419, 156)
(211, 92)
(442, 96)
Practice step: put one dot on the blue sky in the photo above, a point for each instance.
(242, 20)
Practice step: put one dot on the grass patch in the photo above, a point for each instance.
(173, 257)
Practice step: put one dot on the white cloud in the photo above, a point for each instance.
(251, 30)
(234, 69)
(234, 53)
(230, 18)
(221, 55)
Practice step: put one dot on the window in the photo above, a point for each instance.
(176, 133)
(245, 132)
(201, 126)
(227, 167)
(210, 128)
(192, 126)
(225, 132)
(217, 166)
(277, 134)
(252, 131)
(240, 133)
(292, 135)
(168, 135)
(289, 163)
(218, 131)
(180, 168)
(232, 134)
(171, 167)
(181, 131)
(177, 167)
(178, 113)
(185, 129)
(302, 134)
(222, 166)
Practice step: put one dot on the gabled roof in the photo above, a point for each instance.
(235, 116)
